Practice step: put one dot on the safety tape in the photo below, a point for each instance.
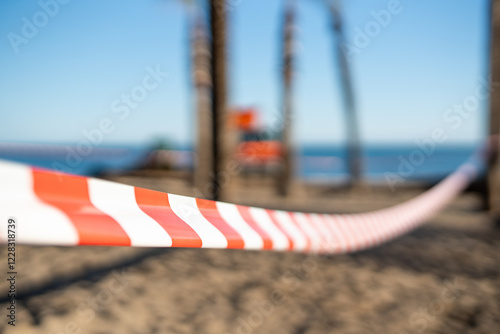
(52, 208)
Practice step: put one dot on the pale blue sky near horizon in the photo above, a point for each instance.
(428, 57)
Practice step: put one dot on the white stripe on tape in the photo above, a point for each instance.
(37, 222)
(187, 210)
(233, 217)
(286, 223)
(280, 241)
(118, 201)
(346, 231)
(326, 238)
(340, 241)
(306, 227)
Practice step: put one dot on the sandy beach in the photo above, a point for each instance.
(327, 107)
(441, 278)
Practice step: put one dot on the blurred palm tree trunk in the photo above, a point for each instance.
(221, 141)
(353, 140)
(200, 65)
(494, 122)
(286, 177)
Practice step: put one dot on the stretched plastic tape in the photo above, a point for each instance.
(52, 208)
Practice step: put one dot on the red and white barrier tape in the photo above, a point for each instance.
(59, 209)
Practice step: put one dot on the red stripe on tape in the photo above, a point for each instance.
(271, 214)
(155, 204)
(209, 210)
(70, 194)
(245, 213)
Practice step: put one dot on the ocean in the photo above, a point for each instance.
(382, 161)
(313, 162)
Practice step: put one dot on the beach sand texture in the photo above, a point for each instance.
(442, 278)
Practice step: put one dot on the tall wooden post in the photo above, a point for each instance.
(286, 176)
(494, 121)
(200, 55)
(353, 139)
(222, 133)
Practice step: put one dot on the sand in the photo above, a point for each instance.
(442, 278)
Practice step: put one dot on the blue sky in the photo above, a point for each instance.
(64, 78)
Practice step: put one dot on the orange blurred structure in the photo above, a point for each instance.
(255, 148)
(259, 152)
(244, 119)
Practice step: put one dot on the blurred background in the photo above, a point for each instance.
(409, 66)
(310, 105)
